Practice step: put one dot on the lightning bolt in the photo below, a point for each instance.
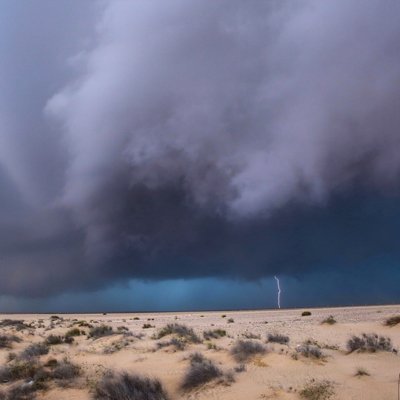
(279, 291)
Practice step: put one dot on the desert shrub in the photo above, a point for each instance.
(370, 343)
(24, 391)
(177, 343)
(214, 334)
(122, 329)
(147, 326)
(100, 331)
(317, 391)
(53, 340)
(306, 313)
(34, 350)
(6, 341)
(243, 350)
(240, 368)
(69, 339)
(230, 321)
(51, 363)
(361, 372)
(201, 371)
(18, 324)
(73, 332)
(278, 338)
(65, 370)
(392, 321)
(309, 350)
(128, 386)
(83, 324)
(180, 330)
(330, 320)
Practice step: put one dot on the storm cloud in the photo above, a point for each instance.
(165, 140)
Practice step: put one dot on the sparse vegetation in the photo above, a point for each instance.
(243, 350)
(53, 340)
(369, 343)
(393, 321)
(317, 391)
(18, 370)
(100, 331)
(214, 334)
(249, 335)
(147, 326)
(230, 320)
(306, 313)
(329, 321)
(65, 371)
(200, 372)
(18, 324)
(73, 332)
(127, 386)
(277, 338)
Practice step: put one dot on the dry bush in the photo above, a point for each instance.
(18, 324)
(6, 341)
(361, 372)
(200, 372)
(243, 350)
(19, 370)
(179, 330)
(393, 321)
(309, 350)
(73, 332)
(329, 321)
(370, 342)
(53, 340)
(317, 391)
(306, 313)
(214, 334)
(65, 371)
(34, 350)
(277, 338)
(100, 331)
(128, 387)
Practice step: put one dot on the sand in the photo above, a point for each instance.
(280, 373)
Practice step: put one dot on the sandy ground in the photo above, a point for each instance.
(280, 373)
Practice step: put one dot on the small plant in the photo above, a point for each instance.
(249, 335)
(100, 331)
(369, 343)
(393, 321)
(330, 320)
(317, 391)
(147, 326)
(361, 372)
(277, 338)
(18, 370)
(65, 371)
(214, 334)
(230, 321)
(200, 372)
(127, 386)
(243, 350)
(223, 316)
(306, 313)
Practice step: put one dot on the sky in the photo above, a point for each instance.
(178, 155)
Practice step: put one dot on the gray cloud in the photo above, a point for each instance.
(182, 139)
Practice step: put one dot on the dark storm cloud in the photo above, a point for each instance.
(188, 139)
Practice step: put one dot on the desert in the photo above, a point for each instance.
(321, 353)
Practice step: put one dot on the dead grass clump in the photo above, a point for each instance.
(100, 331)
(243, 350)
(65, 371)
(6, 341)
(277, 338)
(214, 334)
(317, 391)
(329, 321)
(127, 386)
(393, 321)
(179, 330)
(369, 343)
(200, 372)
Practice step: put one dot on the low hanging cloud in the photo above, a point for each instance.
(182, 139)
